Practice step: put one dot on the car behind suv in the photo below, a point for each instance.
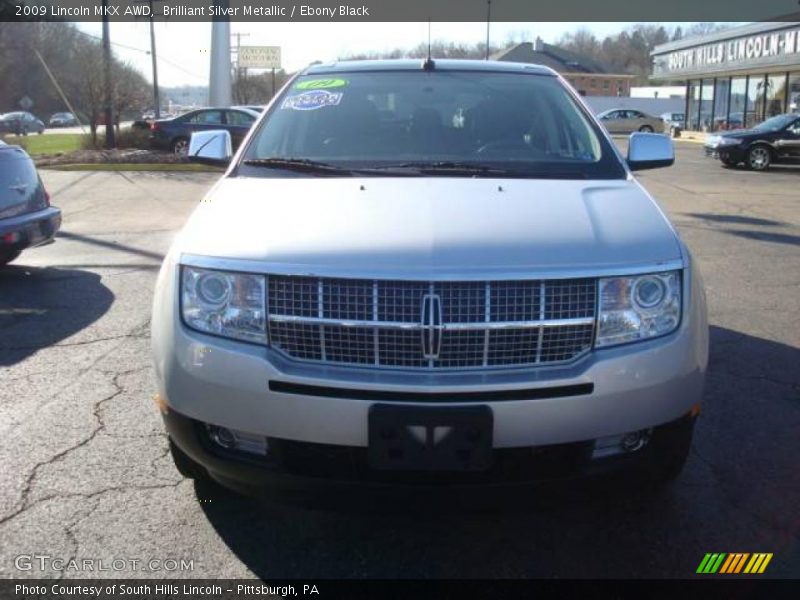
(776, 140)
(173, 134)
(428, 273)
(26, 217)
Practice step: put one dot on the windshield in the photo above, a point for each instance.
(523, 123)
(775, 123)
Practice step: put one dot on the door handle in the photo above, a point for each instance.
(20, 187)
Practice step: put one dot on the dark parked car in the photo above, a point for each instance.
(63, 119)
(20, 123)
(174, 134)
(259, 108)
(26, 217)
(776, 140)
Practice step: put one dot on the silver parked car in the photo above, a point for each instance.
(626, 120)
(428, 273)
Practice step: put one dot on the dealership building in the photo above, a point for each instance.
(734, 78)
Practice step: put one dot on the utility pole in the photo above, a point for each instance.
(156, 98)
(219, 85)
(110, 141)
(240, 71)
(488, 20)
(58, 88)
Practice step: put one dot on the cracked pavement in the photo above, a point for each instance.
(85, 470)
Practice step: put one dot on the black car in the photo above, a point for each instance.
(20, 123)
(174, 134)
(26, 217)
(776, 140)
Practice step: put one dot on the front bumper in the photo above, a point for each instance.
(732, 153)
(30, 229)
(252, 389)
(292, 466)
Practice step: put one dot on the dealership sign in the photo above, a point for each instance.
(763, 48)
(260, 57)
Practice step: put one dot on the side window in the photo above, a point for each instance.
(239, 119)
(794, 128)
(207, 117)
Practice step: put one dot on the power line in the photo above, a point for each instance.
(161, 57)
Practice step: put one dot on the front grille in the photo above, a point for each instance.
(431, 325)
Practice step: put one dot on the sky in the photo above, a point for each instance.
(182, 48)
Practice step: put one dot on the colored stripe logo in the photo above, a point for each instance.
(734, 563)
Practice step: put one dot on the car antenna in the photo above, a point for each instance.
(429, 65)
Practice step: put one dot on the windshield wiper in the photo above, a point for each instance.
(302, 165)
(449, 168)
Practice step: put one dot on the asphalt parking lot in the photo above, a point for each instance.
(85, 470)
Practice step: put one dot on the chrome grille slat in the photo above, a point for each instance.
(469, 325)
(321, 314)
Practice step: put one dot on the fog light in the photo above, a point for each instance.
(12, 237)
(621, 444)
(221, 436)
(631, 442)
(232, 439)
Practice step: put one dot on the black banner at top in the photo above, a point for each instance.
(401, 10)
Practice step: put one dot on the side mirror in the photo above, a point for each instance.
(211, 147)
(650, 151)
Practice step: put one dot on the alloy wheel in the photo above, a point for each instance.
(759, 158)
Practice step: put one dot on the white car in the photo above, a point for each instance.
(428, 273)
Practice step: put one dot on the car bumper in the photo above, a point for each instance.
(158, 143)
(733, 153)
(252, 389)
(30, 229)
(291, 466)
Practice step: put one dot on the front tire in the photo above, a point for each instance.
(185, 465)
(668, 452)
(7, 256)
(759, 158)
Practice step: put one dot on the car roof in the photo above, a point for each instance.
(242, 108)
(405, 64)
(246, 109)
(8, 151)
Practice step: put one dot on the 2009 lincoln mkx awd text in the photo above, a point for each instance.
(437, 272)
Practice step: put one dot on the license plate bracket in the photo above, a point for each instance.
(411, 438)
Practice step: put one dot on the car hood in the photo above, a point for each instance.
(455, 227)
(743, 133)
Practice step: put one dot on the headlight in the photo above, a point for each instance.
(638, 308)
(725, 141)
(226, 304)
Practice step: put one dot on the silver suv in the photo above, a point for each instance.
(427, 273)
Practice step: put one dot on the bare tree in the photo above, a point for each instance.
(581, 41)
(257, 88)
